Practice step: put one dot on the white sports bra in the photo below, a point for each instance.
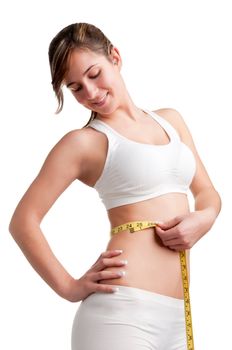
(135, 171)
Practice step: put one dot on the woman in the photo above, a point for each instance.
(142, 164)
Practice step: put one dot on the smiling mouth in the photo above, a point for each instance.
(102, 100)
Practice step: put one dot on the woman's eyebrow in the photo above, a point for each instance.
(73, 82)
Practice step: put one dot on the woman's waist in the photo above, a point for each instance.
(145, 251)
(150, 266)
(143, 247)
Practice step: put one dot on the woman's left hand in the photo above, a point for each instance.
(183, 231)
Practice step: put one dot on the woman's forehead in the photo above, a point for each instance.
(81, 61)
(84, 54)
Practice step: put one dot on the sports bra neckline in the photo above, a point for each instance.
(154, 116)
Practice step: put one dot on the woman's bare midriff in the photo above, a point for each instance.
(151, 265)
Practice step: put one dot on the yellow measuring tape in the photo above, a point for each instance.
(140, 225)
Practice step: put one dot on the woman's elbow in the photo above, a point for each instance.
(21, 221)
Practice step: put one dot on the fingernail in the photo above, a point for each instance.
(118, 250)
(115, 289)
(122, 273)
(124, 261)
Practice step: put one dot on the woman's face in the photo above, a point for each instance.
(95, 81)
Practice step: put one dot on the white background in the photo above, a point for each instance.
(175, 54)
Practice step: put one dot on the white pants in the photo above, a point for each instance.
(131, 318)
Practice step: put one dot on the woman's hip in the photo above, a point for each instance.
(140, 317)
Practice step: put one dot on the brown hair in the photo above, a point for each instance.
(76, 35)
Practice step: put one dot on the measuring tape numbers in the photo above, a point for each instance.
(134, 226)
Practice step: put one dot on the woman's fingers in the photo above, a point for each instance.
(175, 238)
(108, 258)
(102, 275)
(106, 254)
(167, 235)
(170, 223)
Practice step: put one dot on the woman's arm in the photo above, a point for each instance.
(61, 167)
(207, 199)
(208, 202)
(184, 231)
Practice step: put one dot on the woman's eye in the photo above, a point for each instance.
(95, 76)
(78, 89)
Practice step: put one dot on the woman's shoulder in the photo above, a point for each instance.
(175, 119)
(83, 137)
(171, 115)
(87, 143)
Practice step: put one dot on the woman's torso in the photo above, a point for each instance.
(151, 265)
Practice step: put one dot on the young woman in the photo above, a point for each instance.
(142, 163)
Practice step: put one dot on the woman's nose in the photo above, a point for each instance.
(90, 92)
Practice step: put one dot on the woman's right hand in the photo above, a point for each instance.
(81, 288)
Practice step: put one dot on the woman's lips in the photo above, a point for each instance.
(101, 101)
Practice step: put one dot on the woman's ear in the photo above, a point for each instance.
(116, 57)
